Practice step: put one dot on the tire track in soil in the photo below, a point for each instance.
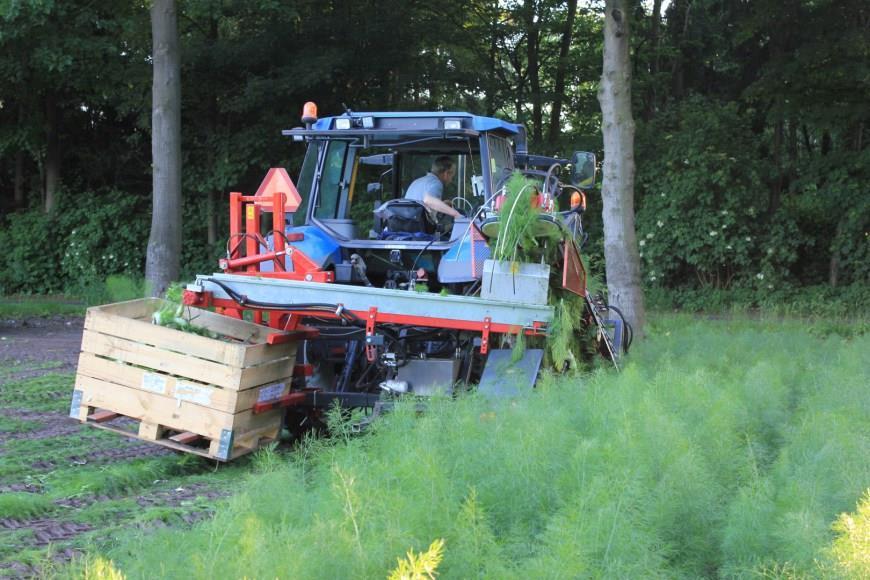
(52, 345)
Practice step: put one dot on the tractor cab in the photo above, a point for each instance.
(354, 179)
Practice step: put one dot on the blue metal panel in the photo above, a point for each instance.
(317, 245)
(455, 266)
(478, 123)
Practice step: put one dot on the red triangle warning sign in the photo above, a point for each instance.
(277, 180)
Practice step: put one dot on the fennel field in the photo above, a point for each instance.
(726, 448)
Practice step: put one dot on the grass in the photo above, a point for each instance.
(724, 449)
(33, 306)
(23, 505)
(69, 482)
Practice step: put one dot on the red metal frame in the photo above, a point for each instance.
(245, 221)
(371, 316)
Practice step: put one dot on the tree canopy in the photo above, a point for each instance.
(752, 120)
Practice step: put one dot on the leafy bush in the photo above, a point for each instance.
(699, 212)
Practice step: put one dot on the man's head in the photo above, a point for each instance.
(443, 169)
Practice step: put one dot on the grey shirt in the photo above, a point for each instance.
(428, 184)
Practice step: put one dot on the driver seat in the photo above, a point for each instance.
(402, 217)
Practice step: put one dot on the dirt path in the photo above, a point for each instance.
(42, 342)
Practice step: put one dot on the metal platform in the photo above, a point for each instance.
(403, 303)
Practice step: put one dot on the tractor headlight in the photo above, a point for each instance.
(368, 122)
(342, 123)
(451, 124)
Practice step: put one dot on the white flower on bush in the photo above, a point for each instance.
(652, 278)
(724, 226)
(770, 286)
(641, 254)
(660, 223)
(728, 247)
(748, 239)
(760, 276)
(714, 233)
(642, 243)
(769, 251)
(649, 236)
(663, 194)
(724, 212)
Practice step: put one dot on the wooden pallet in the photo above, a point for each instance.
(230, 444)
(182, 384)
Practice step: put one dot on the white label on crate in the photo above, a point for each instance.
(193, 393)
(270, 393)
(154, 383)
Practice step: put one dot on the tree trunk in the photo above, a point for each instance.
(776, 189)
(19, 178)
(559, 85)
(533, 66)
(52, 155)
(655, 32)
(493, 56)
(620, 239)
(164, 244)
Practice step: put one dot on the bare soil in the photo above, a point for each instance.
(54, 341)
(29, 349)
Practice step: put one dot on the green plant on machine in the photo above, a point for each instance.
(516, 235)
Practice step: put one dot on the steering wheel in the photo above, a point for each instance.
(462, 199)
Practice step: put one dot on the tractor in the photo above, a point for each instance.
(392, 299)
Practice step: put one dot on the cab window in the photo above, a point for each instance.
(333, 183)
(303, 184)
(501, 161)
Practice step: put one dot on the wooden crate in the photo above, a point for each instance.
(186, 391)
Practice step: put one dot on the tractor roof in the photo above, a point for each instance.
(388, 125)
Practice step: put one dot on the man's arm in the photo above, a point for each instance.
(435, 204)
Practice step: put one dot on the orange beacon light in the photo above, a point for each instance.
(309, 114)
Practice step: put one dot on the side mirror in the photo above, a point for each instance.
(583, 169)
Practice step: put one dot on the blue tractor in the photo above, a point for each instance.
(397, 294)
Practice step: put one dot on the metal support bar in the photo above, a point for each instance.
(484, 339)
(371, 348)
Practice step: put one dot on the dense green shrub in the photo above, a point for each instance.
(702, 202)
(80, 245)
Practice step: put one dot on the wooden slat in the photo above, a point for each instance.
(186, 366)
(266, 373)
(237, 451)
(226, 325)
(166, 338)
(186, 438)
(101, 416)
(158, 359)
(192, 391)
(150, 431)
(139, 308)
(162, 410)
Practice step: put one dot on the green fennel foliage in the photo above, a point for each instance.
(723, 448)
